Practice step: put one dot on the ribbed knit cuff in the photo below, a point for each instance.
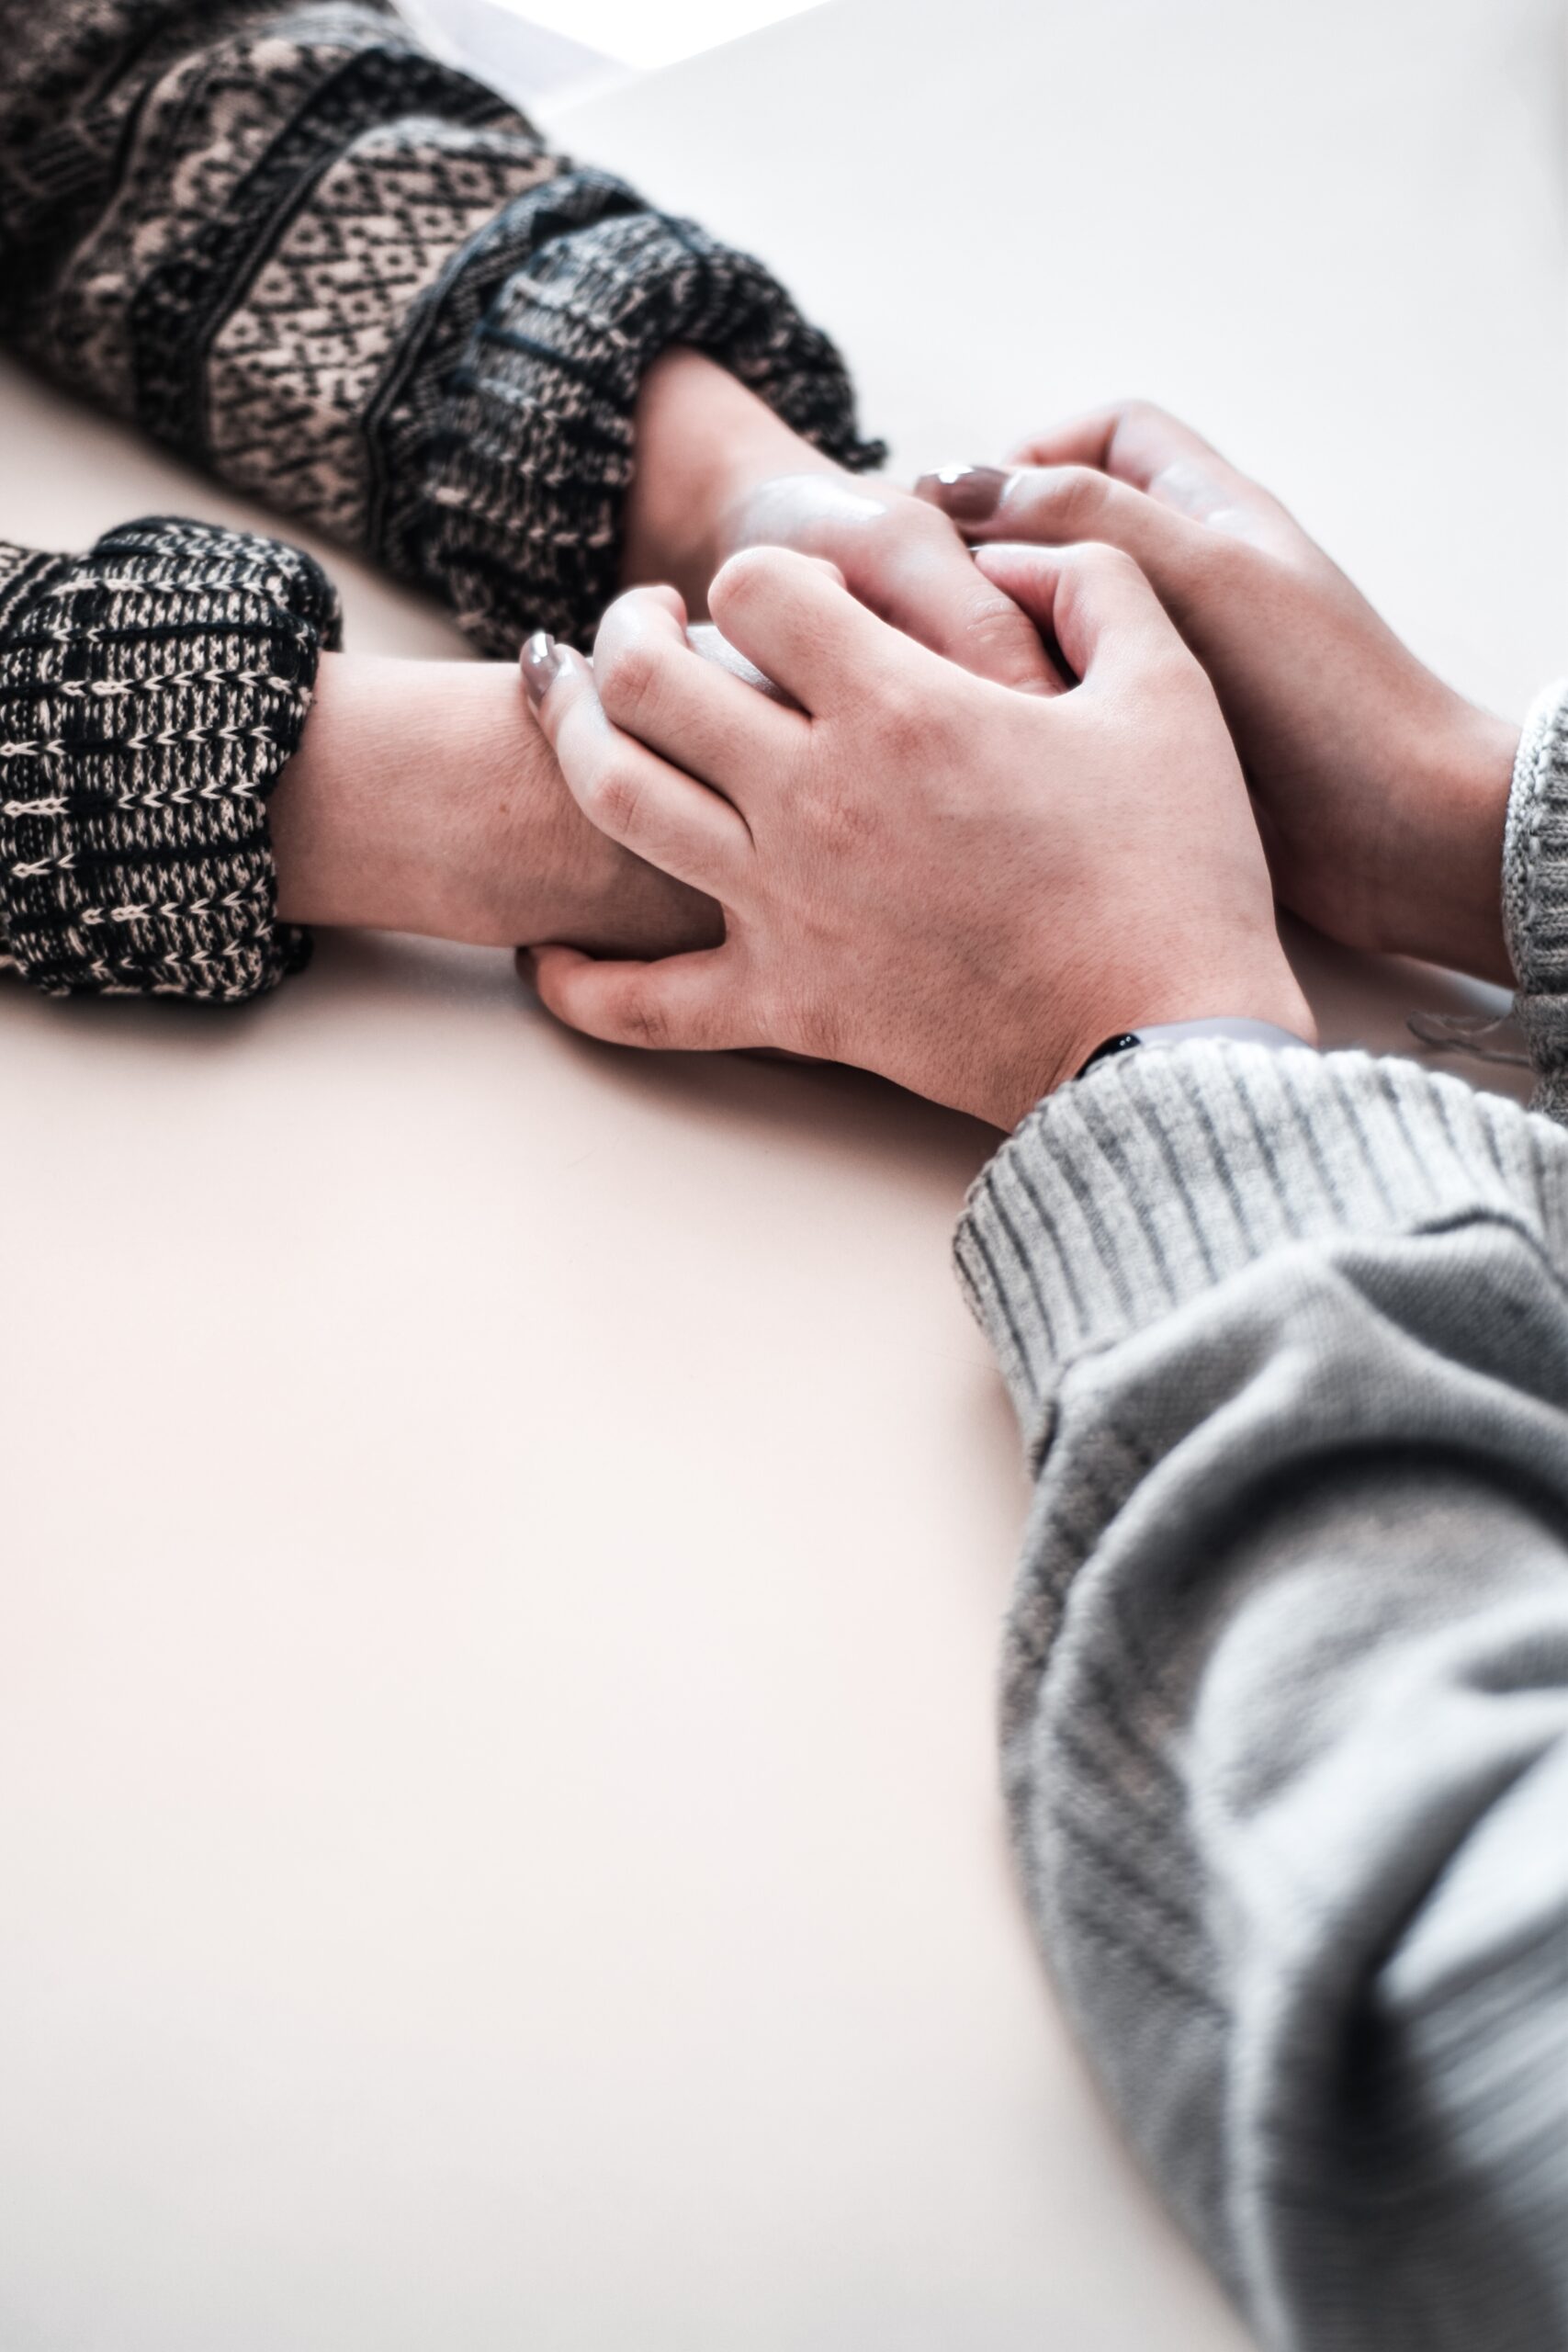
(1535, 894)
(1159, 1175)
(150, 693)
(518, 518)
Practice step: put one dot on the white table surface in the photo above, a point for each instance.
(499, 1841)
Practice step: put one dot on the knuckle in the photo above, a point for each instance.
(612, 798)
(644, 1023)
(1080, 497)
(898, 727)
(994, 625)
(1108, 566)
(627, 674)
(749, 573)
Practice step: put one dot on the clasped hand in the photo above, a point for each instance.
(961, 886)
(965, 872)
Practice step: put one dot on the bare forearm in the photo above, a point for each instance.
(424, 798)
(375, 823)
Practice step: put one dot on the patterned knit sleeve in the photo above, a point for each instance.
(293, 246)
(150, 692)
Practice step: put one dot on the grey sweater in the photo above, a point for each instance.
(1285, 1688)
(1287, 1673)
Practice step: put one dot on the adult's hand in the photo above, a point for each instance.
(717, 472)
(963, 886)
(1382, 793)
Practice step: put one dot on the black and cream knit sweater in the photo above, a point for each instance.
(294, 247)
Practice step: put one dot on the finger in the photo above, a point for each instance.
(627, 791)
(1060, 506)
(932, 592)
(1101, 610)
(785, 612)
(1150, 450)
(1134, 440)
(706, 640)
(653, 685)
(679, 1005)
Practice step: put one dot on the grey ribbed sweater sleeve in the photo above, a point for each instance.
(1285, 1689)
(1535, 895)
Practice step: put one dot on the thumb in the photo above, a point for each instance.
(679, 1005)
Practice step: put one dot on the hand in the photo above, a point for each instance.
(718, 472)
(424, 798)
(1380, 794)
(964, 887)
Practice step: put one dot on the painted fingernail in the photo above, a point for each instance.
(540, 662)
(969, 493)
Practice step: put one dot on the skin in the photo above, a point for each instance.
(423, 797)
(717, 472)
(1081, 864)
(1381, 793)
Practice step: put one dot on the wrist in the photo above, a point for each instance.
(1217, 1028)
(1444, 898)
(1261, 992)
(386, 819)
(703, 441)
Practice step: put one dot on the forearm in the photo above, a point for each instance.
(1287, 1681)
(188, 779)
(423, 797)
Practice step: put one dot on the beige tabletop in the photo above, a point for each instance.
(499, 1838)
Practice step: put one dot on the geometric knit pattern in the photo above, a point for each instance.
(150, 693)
(346, 277)
(304, 254)
(1535, 895)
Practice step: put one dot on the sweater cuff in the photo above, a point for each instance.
(150, 693)
(1159, 1176)
(520, 515)
(1535, 895)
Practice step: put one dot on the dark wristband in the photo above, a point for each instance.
(1236, 1031)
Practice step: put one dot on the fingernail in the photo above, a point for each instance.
(969, 493)
(527, 965)
(540, 662)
